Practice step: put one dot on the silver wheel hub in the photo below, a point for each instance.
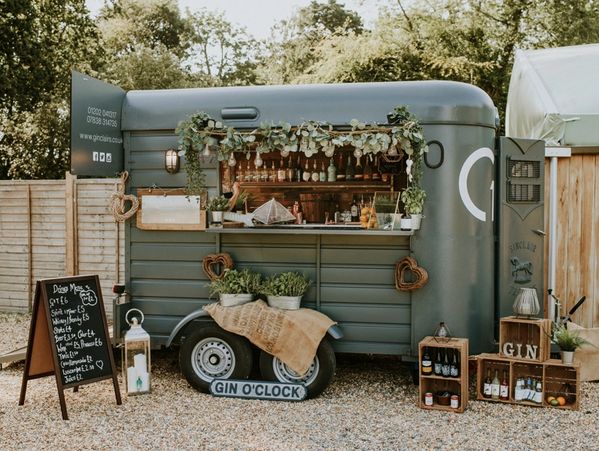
(213, 358)
(285, 374)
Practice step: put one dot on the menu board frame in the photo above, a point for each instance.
(42, 358)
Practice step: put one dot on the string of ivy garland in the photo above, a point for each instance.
(402, 134)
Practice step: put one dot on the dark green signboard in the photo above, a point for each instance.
(96, 138)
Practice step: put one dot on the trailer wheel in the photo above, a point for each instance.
(210, 353)
(316, 379)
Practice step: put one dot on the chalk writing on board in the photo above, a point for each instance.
(78, 331)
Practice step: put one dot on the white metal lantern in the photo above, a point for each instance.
(136, 356)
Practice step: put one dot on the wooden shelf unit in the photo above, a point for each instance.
(523, 331)
(432, 383)
(553, 373)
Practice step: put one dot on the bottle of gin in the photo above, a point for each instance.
(331, 172)
(315, 174)
(322, 175)
(349, 170)
(487, 385)
(306, 175)
(426, 364)
(340, 169)
(495, 386)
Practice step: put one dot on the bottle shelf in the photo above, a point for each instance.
(317, 185)
(433, 383)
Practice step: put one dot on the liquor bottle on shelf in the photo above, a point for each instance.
(529, 390)
(239, 173)
(256, 174)
(306, 174)
(337, 215)
(290, 170)
(247, 175)
(487, 384)
(454, 369)
(376, 174)
(445, 369)
(355, 213)
(297, 177)
(367, 169)
(359, 170)
(349, 170)
(438, 367)
(495, 387)
(504, 389)
(340, 169)
(427, 364)
(263, 173)
(272, 174)
(539, 392)
(518, 390)
(322, 175)
(331, 172)
(281, 173)
(315, 175)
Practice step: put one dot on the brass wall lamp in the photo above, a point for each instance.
(172, 161)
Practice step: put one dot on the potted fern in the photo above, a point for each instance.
(236, 287)
(568, 342)
(285, 290)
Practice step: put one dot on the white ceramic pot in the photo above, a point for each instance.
(231, 300)
(567, 357)
(405, 224)
(416, 218)
(217, 217)
(284, 302)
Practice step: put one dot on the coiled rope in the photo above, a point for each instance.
(118, 199)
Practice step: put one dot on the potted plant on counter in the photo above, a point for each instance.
(236, 287)
(413, 199)
(285, 290)
(568, 342)
(217, 206)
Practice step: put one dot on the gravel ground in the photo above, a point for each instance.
(370, 405)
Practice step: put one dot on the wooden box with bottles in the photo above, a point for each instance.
(525, 339)
(538, 384)
(443, 369)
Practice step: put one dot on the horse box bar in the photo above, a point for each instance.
(481, 239)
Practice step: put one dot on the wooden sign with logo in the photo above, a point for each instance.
(68, 337)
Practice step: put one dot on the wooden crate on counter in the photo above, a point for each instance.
(557, 379)
(526, 339)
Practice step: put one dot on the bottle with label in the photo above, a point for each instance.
(290, 170)
(281, 173)
(487, 385)
(376, 174)
(322, 175)
(518, 390)
(263, 173)
(349, 170)
(367, 169)
(272, 173)
(337, 215)
(495, 386)
(315, 174)
(538, 398)
(306, 175)
(340, 169)
(359, 170)
(331, 172)
(504, 389)
(297, 177)
(438, 367)
(454, 369)
(446, 369)
(427, 364)
(247, 174)
(256, 174)
(529, 391)
(355, 213)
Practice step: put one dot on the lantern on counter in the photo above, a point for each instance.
(136, 356)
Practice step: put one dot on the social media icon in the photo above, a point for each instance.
(95, 156)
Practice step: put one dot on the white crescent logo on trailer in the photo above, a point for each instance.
(483, 152)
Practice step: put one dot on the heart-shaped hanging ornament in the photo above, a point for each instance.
(419, 274)
(211, 263)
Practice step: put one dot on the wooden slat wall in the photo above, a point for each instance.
(577, 258)
(33, 237)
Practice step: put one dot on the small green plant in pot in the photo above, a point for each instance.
(413, 199)
(216, 206)
(285, 290)
(568, 342)
(236, 287)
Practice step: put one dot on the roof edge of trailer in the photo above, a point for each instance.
(444, 102)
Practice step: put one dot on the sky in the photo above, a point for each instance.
(258, 16)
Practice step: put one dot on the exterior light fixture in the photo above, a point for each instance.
(171, 161)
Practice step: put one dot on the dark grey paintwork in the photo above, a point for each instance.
(353, 275)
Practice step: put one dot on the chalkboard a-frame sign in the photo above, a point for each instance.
(68, 337)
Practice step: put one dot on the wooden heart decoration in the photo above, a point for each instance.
(210, 265)
(419, 274)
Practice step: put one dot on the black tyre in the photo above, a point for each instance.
(211, 352)
(318, 377)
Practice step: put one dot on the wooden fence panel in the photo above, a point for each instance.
(36, 233)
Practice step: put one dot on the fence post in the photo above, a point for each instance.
(29, 252)
(71, 224)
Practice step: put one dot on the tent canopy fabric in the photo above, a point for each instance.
(554, 95)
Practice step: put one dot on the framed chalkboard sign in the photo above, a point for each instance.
(69, 337)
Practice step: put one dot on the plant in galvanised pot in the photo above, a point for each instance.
(413, 199)
(217, 206)
(285, 290)
(236, 287)
(568, 342)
